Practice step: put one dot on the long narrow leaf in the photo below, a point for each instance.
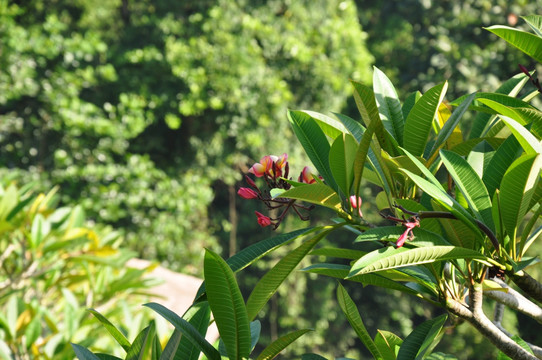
(269, 283)
(389, 105)
(319, 194)
(471, 186)
(528, 141)
(314, 141)
(419, 121)
(341, 161)
(535, 22)
(117, 335)
(390, 258)
(142, 345)
(280, 344)
(528, 43)
(451, 124)
(186, 329)
(388, 343)
(198, 315)
(505, 155)
(349, 309)
(517, 187)
(329, 126)
(83, 353)
(420, 339)
(255, 251)
(227, 306)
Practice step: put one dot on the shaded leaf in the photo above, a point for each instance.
(280, 344)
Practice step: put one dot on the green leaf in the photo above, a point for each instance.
(280, 344)
(420, 339)
(445, 200)
(388, 344)
(535, 22)
(255, 251)
(83, 353)
(517, 187)
(186, 329)
(389, 105)
(390, 258)
(198, 315)
(142, 345)
(312, 357)
(471, 186)
(316, 193)
(170, 351)
(8, 201)
(528, 43)
(451, 124)
(269, 283)
(329, 126)
(382, 280)
(341, 161)
(339, 253)
(510, 87)
(422, 237)
(349, 309)
(528, 141)
(227, 306)
(117, 335)
(354, 127)
(410, 100)
(500, 162)
(440, 356)
(314, 141)
(420, 119)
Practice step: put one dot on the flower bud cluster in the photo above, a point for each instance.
(274, 170)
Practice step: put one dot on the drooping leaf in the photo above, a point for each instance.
(419, 121)
(227, 306)
(341, 161)
(269, 283)
(526, 42)
(420, 339)
(390, 258)
(471, 186)
(186, 329)
(316, 193)
(314, 141)
(389, 105)
(273, 349)
(349, 309)
(117, 335)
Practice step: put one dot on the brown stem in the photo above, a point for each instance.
(473, 314)
(233, 221)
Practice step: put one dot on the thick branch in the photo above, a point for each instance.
(475, 316)
(531, 286)
(516, 301)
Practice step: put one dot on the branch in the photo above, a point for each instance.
(515, 300)
(525, 282)
(475, 316)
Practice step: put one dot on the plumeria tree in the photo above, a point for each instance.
(460, 213)
(465, 207)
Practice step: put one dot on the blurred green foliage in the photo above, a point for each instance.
(136, 108)
(53, 267)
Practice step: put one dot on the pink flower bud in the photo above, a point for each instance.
(250, 182)
(355, 203)
(247, 193)
(263, 220)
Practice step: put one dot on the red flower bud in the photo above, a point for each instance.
(263, 220)
(247, 193)
(355, 203)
